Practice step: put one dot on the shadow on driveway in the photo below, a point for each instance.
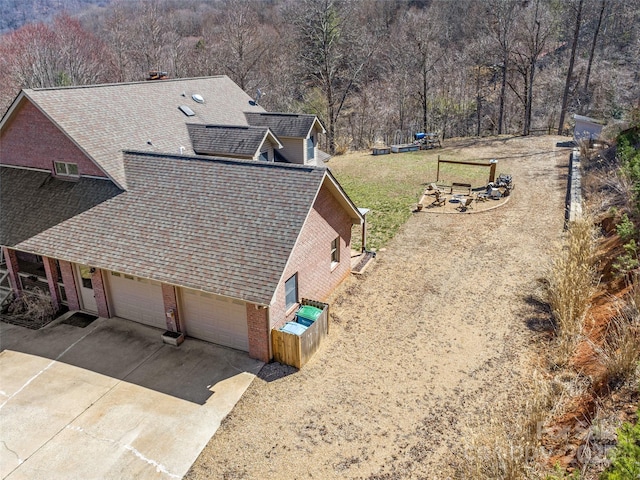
(125, 350)
(110, 400)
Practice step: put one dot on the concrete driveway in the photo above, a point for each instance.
(110, 400)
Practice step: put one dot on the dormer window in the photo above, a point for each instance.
(66, 169)
(311, 148)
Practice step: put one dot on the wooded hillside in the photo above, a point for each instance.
(372, 70)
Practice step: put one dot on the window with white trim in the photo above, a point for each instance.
(335, 252)
(291, 291)
(66, 169)
(311, 148)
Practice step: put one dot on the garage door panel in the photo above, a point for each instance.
(137, 299)
(215, 319)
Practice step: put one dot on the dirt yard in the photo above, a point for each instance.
(429, 339)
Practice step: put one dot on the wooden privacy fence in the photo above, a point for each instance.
(296, 350)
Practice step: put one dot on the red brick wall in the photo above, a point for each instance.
(99, 293)
(31, 140)
(66, 269)
(52, 279)
(311, 257)
(171, 302)
(11, 258)
(259, 332)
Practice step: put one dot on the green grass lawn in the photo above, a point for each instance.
(391, 185)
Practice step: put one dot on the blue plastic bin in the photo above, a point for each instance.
(294, 328)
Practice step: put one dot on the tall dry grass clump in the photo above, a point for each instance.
(506, 445)
(620, 350)
(571, 285)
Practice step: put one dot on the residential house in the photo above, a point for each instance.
(160, 203)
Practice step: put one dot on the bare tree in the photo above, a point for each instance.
(537, 27)
(148, 35)
(421, 29)
(116, 32)
(585, 91)
(572, 58)
(333, 52)
(63, 53)
(82, 57)
(500, 17)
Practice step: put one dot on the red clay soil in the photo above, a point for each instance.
(566, 436)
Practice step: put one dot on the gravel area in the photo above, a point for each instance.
(431, 337)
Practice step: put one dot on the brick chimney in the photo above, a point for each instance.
(157, 75)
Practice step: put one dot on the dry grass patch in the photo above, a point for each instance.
(33, 309)
(620, 349)
(507, 448)
(571, 286)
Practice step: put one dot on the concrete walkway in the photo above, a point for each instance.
(110, 400)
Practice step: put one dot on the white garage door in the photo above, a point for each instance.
(137, 299)
(215, 319)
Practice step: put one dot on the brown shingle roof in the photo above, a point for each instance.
(219, 225)
(34, 201)
(224, 140)
(106, 119)
(283, 124)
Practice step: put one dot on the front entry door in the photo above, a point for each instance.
(85, 286)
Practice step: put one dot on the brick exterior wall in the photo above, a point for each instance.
(11, 258)
(259, 332)
(22, 143)
(66, 269)
(171, 303)
(52, 279)
(311, 257)
(100, 293)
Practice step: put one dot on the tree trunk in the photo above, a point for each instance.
(503, 90)
(567, 85)
(603, 5)
(478, 103)
(532, 72)
(424, 100)
(331, 131)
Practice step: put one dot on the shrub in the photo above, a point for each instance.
(625, 228)
(560, 474)
(625, 458)
(628, 261)
(629, 156)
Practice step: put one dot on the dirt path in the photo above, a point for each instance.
(431, 336)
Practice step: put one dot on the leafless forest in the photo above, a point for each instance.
(372, 70)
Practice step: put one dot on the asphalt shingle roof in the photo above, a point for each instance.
(283, 124)
(106, 119)
(223, 226)
(226, 140)
(34, 201)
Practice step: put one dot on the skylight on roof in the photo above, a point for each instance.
(197, 98)
(186, 110)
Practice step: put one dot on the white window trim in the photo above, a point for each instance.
(292, 306)
(66, 173)
(312, 150)
(335, 251)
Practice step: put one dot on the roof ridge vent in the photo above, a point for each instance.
(197, 98)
